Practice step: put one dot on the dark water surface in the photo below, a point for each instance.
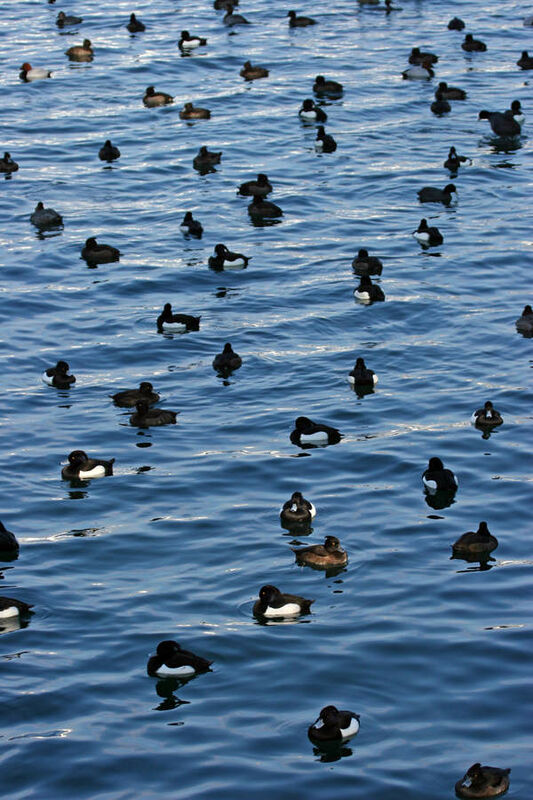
(433, 653)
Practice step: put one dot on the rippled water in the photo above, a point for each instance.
(433, 653)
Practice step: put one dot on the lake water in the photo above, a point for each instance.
(433, 653)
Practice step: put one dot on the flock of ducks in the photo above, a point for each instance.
(297, 513)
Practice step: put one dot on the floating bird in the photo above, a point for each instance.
(365, 264)
(487, 417)
(135, 25)
(426, 235)
(9, 607)
(58, 376)
(177, 323)
(361, 375)
(7, 164)
(259, 207)
(524, 323)
(171, 661)
(81, 467)
(225, 259)
(190, 112)
(311, 112)
(260, 187)
(480, 541)
(440, 105)
(525, 61)
(454, 161)
(206, 159)
(275, 604)
(297, 511)
(188, 42)
(481, 782)
(472, 45)
(334, 726)
(324, 143)
(299, 22)
(502, 124)
(450, 92)
(81, 52)
(153, 99)
(430, 194)
(45, 217)
(227, 360)
(29, 73)
(63, 20)
(8, 541)
(456, 24)
(231, 19)
(436, 478)
(191, 226)
(95, 253)
(308, 432)
(130, 397)
(416, 57)
(250, 73)
(329, 554)
(108, 151)
(368, 292)
(146, 417)
(330, 88)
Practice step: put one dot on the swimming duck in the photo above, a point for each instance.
(190, 112)
(179, 323)
(480, 541)
(524, 323)
(440, 105)
(7, 164)
(135, 25)
(299, 22)
(419, 72)
(416, 57)
(308, 432)
(487, 416)
(324, 143)
(472, 45)
(9, 607)
(426, 235)
(95, 253)
(231, 19)
(225, 259)
(361, 375)
(45, 217)
(191, 226)
(8, 541)
(58, 376)
(153, 99)
(250, 73)
(272, 603)
(29, 73)
(502, 124)
(322, 86)
(81, 52)
(525, 61)
(329, 554)
(260, 187)
(517, 112)
(430, 194)
(456, 24)
(171, 661)
(259, 207)
(479, 782)
(130, 397)
(368, 292)
(453, 162)
(312, 113)
(63, 20)
(365, 264)
(297, 510)
(436, 478)
(108, 151)
(227, 360)
(146, 417)
(188, 42)
(205, 159)
(81, 467)
(450, 92)
(334, 726)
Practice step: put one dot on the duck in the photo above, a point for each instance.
(227, 360)
(361, 375)
(62, 20)
(419, 72)
(333, 725)
(29, 73)
(231, 19)
(299, 22)
(130, 397)
(487, 416)
(205, 159)
(502, 124)
(436, 478)
(191, 226)
(135, 25)
(417, 57)
(368, 292)
(250, 73)
(440, 105)
(259, 207)
(525, 61)
(430, 194)
(472, 45)
(45, 217)
(7, 164)
(9, 607)
(171, 661)
(365, 264)
(108, 151)
(260, 187)
(480, 541)
(188, 42)
(480, 782)
(324, 143)
(329, 554)
(450, 92)
(517, 112)
(311, 112)
(426, 235)
(81, 52)
(153, 99)
(454, 161)
(524, 322)
(297, 510)
(178, 323)
(456, 24)
(58, 376)
(81, 467)
(322, 86)
(223, 4)
(308, 432)
(225, 259)
(146, 417)
(190, 112)
(272, 603)
(95, 253)
(8, 541)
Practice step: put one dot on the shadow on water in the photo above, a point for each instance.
(441, 499)
(328, 753)
(482, 563)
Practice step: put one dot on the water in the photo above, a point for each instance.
(433, 653)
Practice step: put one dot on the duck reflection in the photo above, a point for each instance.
(482, 562)
(165, 689)
(440, 499)
(328, 753)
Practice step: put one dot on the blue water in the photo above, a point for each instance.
(433, 653)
